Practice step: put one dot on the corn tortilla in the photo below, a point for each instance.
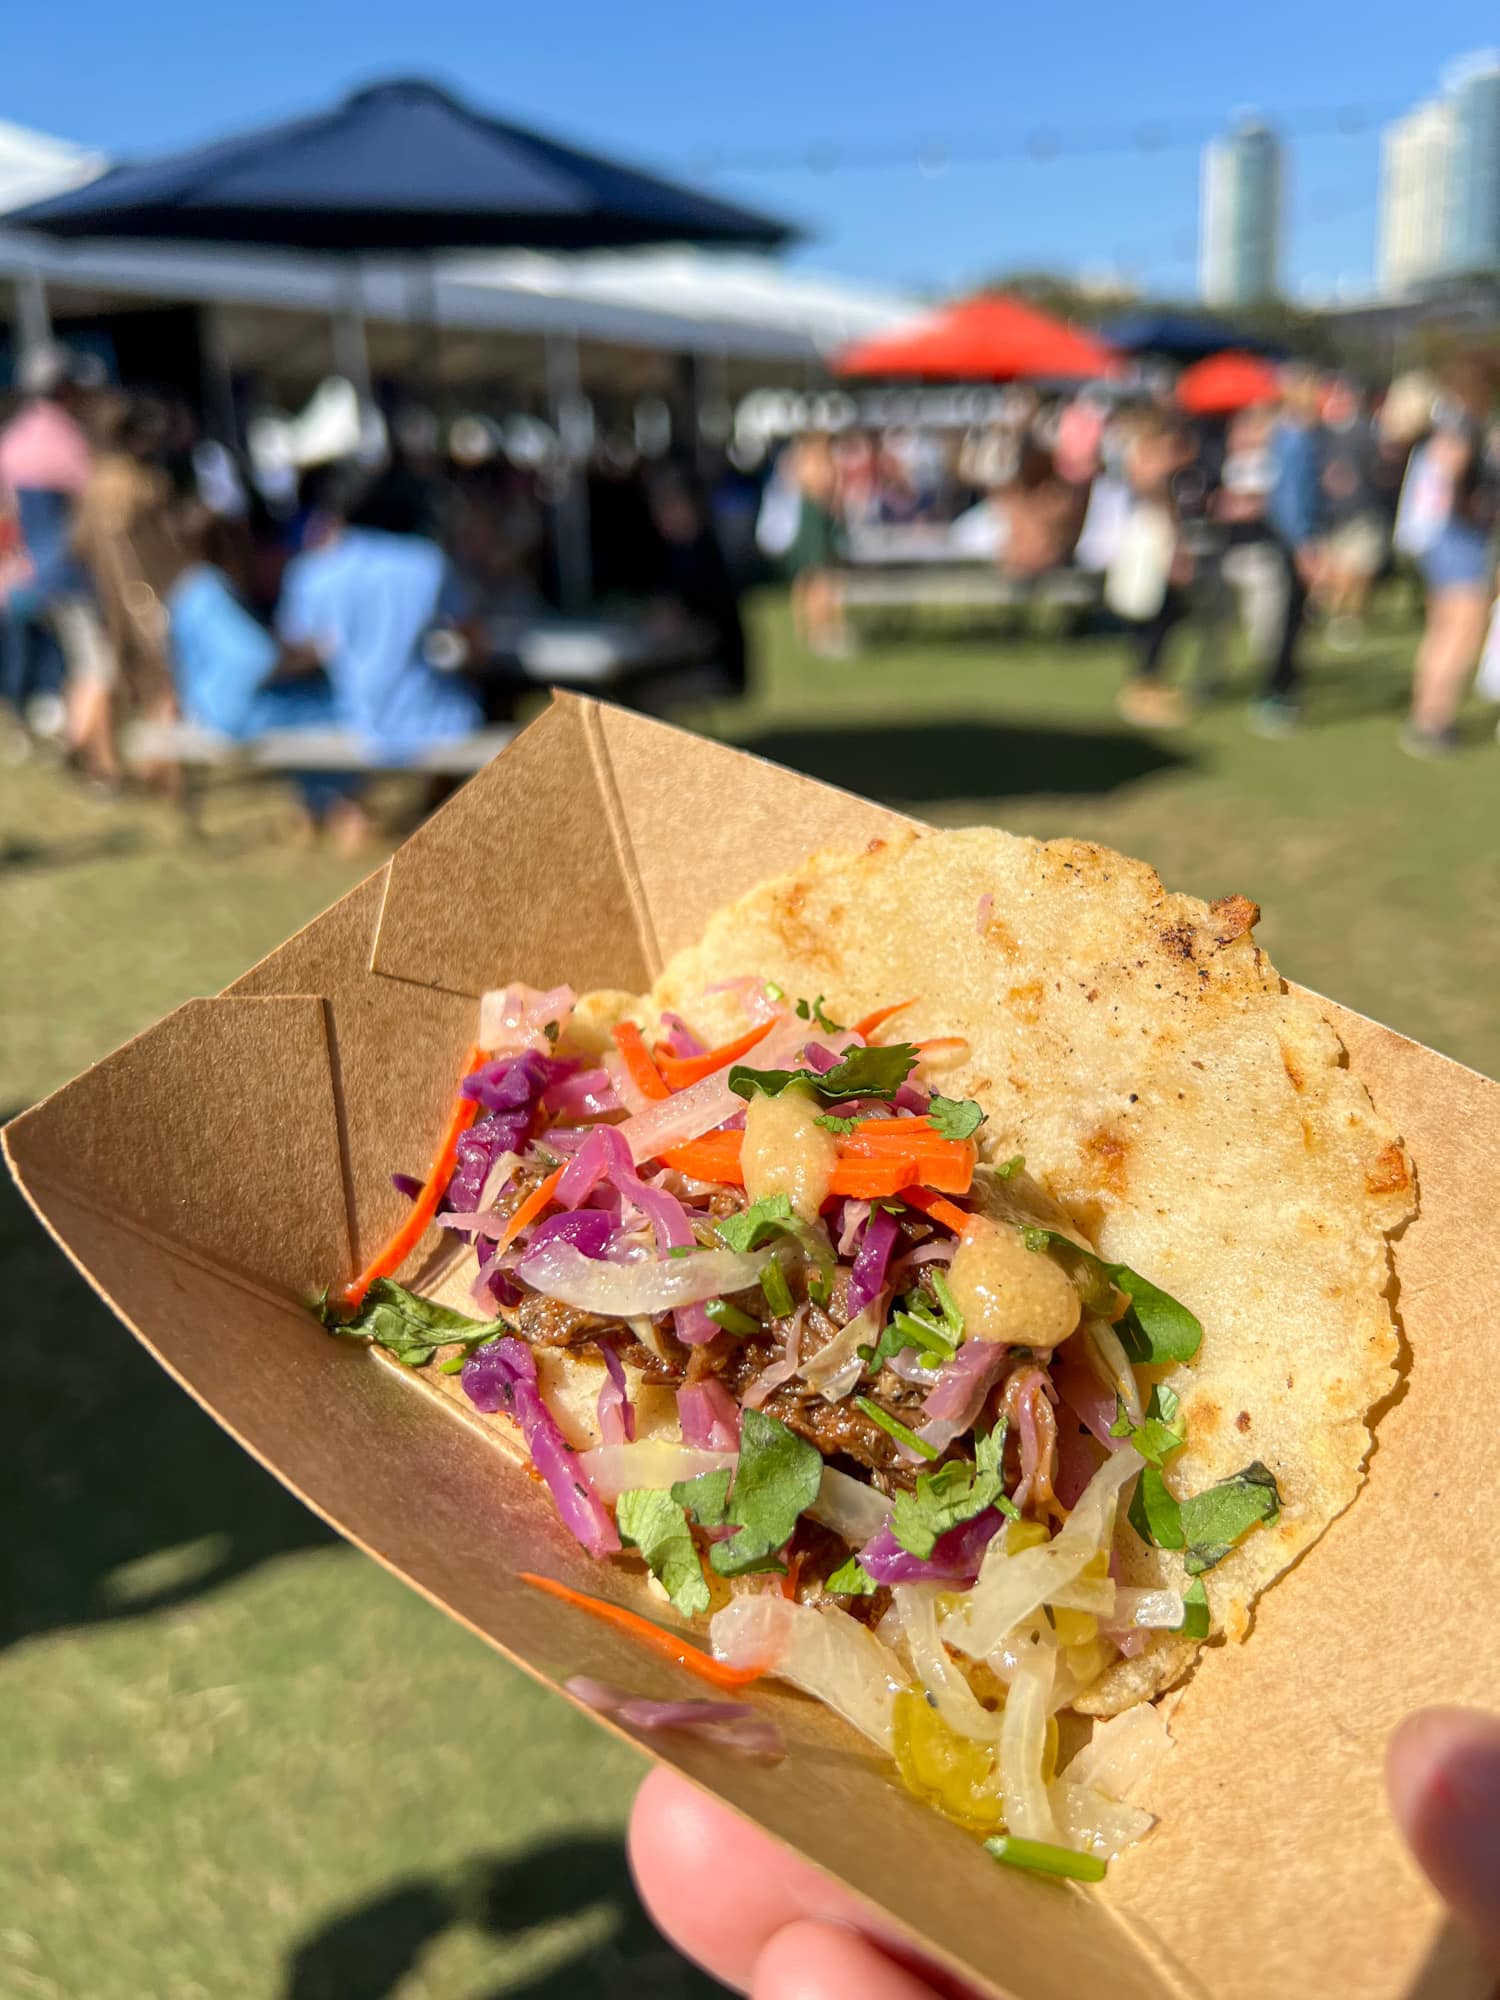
(1191, 1116)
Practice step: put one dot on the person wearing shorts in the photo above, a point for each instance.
(1458, 568)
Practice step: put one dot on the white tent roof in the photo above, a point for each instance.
(681, 301)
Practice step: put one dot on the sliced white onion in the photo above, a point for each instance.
(849, 1507)
(517, 1017)
(559, 1270)
(1115, 1364)
(688, 1114)
(1152, 1610)
(1014, 1587)
(1023, 1745)
(915, 1605)
(1090, 1823)
(495, 1180)
(838, 1364)
(782, 1370)
(613, 1469)
(1122, 1753)
(1095, 1594)
(823, 1651)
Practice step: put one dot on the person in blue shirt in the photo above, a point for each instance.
(361, 599)
(1294, 515)
(231, 675)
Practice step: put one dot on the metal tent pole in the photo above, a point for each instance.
(573, 421)
(351, 350)
(33, 316)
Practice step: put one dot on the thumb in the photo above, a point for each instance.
(1443, 1772)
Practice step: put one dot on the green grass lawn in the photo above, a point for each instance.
(241, 1763)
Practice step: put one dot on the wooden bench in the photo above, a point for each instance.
(969, 587)
(192, 750)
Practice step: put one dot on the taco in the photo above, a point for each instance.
(961, 1283)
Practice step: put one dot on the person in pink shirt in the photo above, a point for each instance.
(45, 463)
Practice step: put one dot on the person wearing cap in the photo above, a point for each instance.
(45, 463)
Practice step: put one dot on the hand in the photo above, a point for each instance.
(1443, 1771)
(768, 1924)
(771, 1926)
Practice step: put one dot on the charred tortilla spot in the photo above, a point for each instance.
(1203, 1415)
(1242, 1421)
(1178, 940)
(1236, 916)
(1296, 1076)
(1025, 1001)
(1388, 1175)
(1107, 1152)
(1000, 937)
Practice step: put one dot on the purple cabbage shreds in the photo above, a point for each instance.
(680, 1038)
(587, 1229)
(479, 1148)
(407, 1184)
(955, 1557)
(513, 1083)
(501, 1375)
(912, 1097)
(615, 1411)
(875, 1246)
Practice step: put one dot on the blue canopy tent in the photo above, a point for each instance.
(406, 168)
(1181, 337)
(402, 166)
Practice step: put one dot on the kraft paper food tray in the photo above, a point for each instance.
(213, 1173)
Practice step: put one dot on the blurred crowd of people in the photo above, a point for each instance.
(1287, 510)
(145, 573)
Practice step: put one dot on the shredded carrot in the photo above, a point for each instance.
(394, 1253)
(948, 1213)
(680, 1071)
(531, 1207)
(945, 1050)
(668, 1644)
(871, 1022)
(714, 1157)
(637, 1058)
(793, 1572)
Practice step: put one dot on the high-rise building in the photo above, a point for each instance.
(1415, 223)
(1473, 88)
(1239, 218)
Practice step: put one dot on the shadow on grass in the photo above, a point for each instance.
(927, 761)
(368, 1952)
(121, 1497)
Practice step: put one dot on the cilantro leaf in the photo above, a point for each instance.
(655, 1523)
(407, 1325)
(872, 1072)
(778, 1293)
(770, 1216)
(955, 1117)
(815, 1013)
(1154, 1512)
(1008, 1169)
(950, 1494)
(1195, 1611)
(849, 1580)
(893, 1427)
(1154, 1439)
(1214, 1520)
(778, 1474)
(841, 1127)
(705, 1498)
(1154, 1328)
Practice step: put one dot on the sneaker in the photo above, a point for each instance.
(1432, 745)
(1273, 717)
(46, 717)
(1344, 633)
(1151, 705)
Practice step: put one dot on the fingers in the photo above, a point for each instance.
(724, 1893)
(808, 1960)
(1443, 1771)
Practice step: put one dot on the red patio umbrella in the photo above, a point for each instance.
(983, 340)
(1227, 382)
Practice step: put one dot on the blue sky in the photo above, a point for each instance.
(666, 83)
